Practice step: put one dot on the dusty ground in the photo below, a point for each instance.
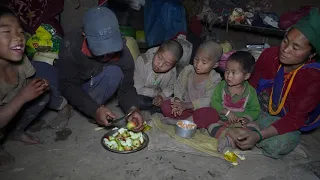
(76, 153)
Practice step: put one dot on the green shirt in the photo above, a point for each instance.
(242, 105)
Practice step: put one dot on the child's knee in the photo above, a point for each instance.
(213, 130)
(115, 74)
(207, 113)
(206, 116)
(166, 108)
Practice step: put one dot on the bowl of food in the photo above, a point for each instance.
(124, 141)
(185, 128)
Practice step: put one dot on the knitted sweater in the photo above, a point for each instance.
(242, 105)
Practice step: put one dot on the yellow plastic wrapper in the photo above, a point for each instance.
(146, 127)
(231, 157)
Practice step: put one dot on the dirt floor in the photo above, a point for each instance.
(76, 153)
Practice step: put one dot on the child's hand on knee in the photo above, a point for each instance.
(157, 101)
(179, 107)
(174, 110)
(232, 118)
(244, 121)
(34, 89)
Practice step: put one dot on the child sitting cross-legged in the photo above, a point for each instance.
(195, 84)
(155, 74)
(235, 100)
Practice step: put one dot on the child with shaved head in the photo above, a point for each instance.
(155, 74)
(195, 84)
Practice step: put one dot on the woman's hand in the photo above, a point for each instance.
(248, 140)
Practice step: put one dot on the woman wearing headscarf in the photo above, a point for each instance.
(287, 80)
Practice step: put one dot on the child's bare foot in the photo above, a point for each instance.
(24, 137)
(223, 143)
(62, 119)
(5, 158)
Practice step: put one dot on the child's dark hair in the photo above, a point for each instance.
(6, 11)
(174, 47)
(246, 60)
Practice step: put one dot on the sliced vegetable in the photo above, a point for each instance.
(141, 139)
(124, 140)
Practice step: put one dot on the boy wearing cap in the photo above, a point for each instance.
(93, 64)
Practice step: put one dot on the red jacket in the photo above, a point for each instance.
(303, 97)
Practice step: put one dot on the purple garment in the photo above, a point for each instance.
(101, 87)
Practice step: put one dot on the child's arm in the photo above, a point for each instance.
(252, 109)
(216, 100)
(33, 90)
(140, 79)
(9, 110)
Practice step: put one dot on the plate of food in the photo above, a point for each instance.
(124, 141)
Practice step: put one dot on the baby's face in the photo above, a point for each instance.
(163, 61)
(203, 63)
(234, 74)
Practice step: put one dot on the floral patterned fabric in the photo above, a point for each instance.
(33, 12)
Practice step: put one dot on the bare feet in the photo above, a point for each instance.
(223, 143)
(62, 119)
(24, 137)
(5, 158)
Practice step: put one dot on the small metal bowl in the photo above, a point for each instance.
(185, 133)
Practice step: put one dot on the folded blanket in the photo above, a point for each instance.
(201, 141)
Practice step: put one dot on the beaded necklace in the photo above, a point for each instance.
(283, 100)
